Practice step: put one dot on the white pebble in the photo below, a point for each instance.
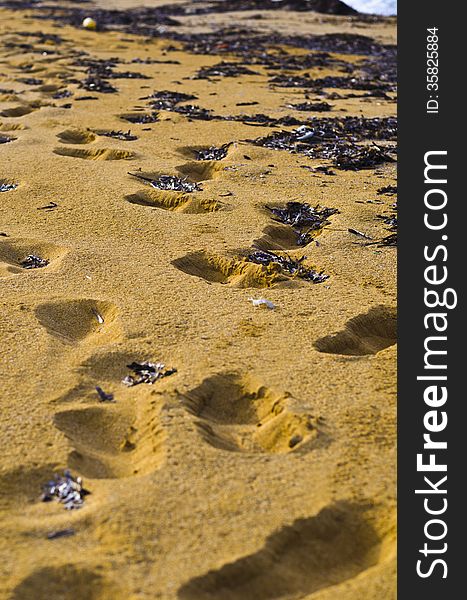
(89, 23)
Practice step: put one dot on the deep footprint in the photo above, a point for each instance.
(174, 201)
(75, 321)
(231, 271)
(200, 171)
(239, 414)
(108, 444)
(77, 136)
(68, 582)
(311, 554)
(14, 252)
(96, 153)
(364, 334)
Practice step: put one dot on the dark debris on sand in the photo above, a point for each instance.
(146, 372)
(311, 106)
(289, 266)
(8, 187)
(223, 69)
(212, 153)
(141, 118)
(336, 139)
(170, 182)
(34, 262)
(125, 136)
(303, 218)
(66, 489)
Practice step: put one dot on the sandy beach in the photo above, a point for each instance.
(144, 175)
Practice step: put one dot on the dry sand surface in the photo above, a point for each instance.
(264, 468)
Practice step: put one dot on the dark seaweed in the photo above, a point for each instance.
(34, 262)
(119, 135)
(389, 190)
(223, 69)
(62, 94)
(95, 84)
(142, 118)
(300, 214)
(103, 397)
(7, 187)
(146, 372)
(170, 182)
(312, 106)
(287, 265)
(212, 153)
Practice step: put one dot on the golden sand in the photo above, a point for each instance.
(265, 467)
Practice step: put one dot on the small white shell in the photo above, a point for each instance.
(262, 302)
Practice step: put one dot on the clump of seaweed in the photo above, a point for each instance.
(34, 262)
(192, 111)
(4, 139)
(96, 84)
(303, 218)
(300, 214)
(166, 100)
(170, 182)
(66, 489)
(287, 265)
(212, 153)
(62, 94)
(125, 136)
(389, 190)
(141, 118)
(146, 372)
(361, 157)
(311, 106)
(223, 69)
(8, 187)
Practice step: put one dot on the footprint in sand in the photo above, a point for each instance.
(312, 554)
(96, 153)
(21, 486)
(11, 126)
(364, 334)
(235, 272)
(179, 201)
(206, 153)
(68, 582)
(237, 413)
(14, 253)
(174, 201)
(77, 321)
(77, 136)
(17, 111)
(109, 443)
(111, 440)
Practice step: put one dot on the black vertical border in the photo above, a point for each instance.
(420, 132)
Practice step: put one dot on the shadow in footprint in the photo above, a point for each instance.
(14, 252)
(364, 334)
(239, 414)
(73, 321)
(174, 201)
(278, 237)
(17, 111)
(229, 271)
(67, 582)
(23, 485)
(77, 136)
(315, 553)
(200, 171)
(108, 444)
(96, 153)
